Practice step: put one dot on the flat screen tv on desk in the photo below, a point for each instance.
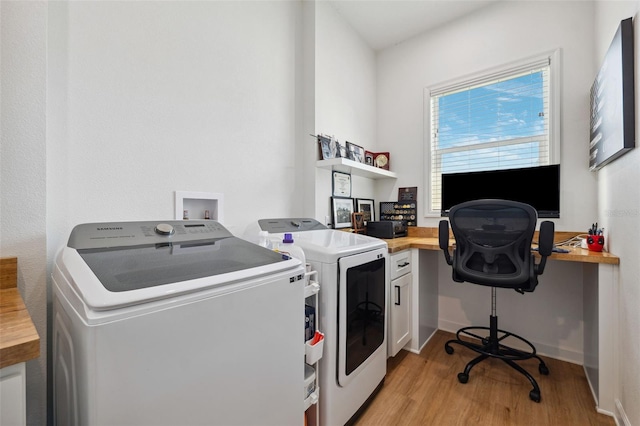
(536, 186)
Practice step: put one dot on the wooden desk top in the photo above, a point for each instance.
(19, 340)
(427, 239)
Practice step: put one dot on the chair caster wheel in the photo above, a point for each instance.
(543, 369)
(534, 395)
(463, 378)
(448, 349)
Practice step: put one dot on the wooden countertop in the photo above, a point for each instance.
(427, 239)
(19, 340)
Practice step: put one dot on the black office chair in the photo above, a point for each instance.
(493, 248)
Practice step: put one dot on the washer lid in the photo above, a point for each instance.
(122, 263)
(130, 268)
(318, 242)
(328, 245)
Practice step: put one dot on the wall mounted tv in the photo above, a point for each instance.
(536, 186)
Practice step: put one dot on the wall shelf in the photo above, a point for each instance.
(353, 167)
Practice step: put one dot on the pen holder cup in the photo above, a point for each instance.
(595, 242)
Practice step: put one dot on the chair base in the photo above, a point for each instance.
(491, 346)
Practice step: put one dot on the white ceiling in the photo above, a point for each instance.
(383, 23)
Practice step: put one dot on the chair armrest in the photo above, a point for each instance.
(443, 238)
(545, 238)
(545, 244)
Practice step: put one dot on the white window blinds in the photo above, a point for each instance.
(500, 120)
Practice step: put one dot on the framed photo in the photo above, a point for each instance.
(342, 209)
(327, 147)
(341, 151)
(408, 194)
(367, 208)
(368, 158)
(341, 184)
(355, 152)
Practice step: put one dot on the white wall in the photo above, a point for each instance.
(619, 213)
(345, 96)
(345, 80)
(23, 174)
(165, 96)
(139, 99)
(494, 36)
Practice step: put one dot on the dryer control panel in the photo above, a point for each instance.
(274, 226)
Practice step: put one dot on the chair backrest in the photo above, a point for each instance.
(493, 244)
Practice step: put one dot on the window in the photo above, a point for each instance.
(502, 119)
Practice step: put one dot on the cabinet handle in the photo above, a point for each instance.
(397, 295)
(404, 264)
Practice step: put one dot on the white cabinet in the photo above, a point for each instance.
(13, 395)
(400, 291)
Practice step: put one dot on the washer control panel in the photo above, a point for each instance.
(122, 234)
(164, 229)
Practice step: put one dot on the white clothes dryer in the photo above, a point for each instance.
(353, 315)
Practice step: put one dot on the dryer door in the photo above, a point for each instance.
(361, 312)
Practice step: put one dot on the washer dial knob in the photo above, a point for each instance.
(164, 229)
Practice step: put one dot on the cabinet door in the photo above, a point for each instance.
(13, 395)
(400, 328)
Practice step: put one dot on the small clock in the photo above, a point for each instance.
(381, 160)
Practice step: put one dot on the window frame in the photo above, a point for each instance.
(513, 68)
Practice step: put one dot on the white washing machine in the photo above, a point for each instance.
(353, 315)
(175, 323)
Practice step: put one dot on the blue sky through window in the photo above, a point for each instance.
(504, 110)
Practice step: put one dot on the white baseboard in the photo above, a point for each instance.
(621, 416)
(595, 398)
(417, 351)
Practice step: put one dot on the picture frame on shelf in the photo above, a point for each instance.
(340, 184)
(367, 207)
(327, 147)
(355, 152)
(341, 151)
(368, 158)
(342, 209)
(381, 160)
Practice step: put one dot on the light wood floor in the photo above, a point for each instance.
(424, 390)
